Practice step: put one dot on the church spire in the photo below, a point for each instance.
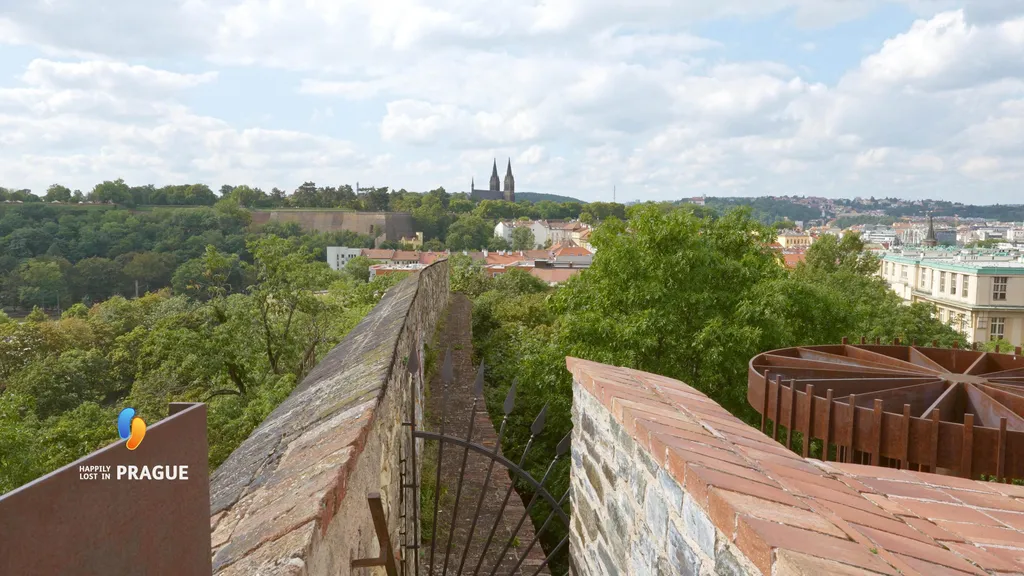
(929, 239)
(495, 183)
(510, 183)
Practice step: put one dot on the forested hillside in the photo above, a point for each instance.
(226, 316)
(51, 255)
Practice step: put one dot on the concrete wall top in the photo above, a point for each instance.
(792, 515)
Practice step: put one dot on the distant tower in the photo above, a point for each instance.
(495, 183)
(510, 184)
(472, 185)
(929, 239)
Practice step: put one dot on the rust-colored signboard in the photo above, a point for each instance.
(137, 507)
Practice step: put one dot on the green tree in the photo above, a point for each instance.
(19, 441)
(77, 310)
(358, 268)
(116, 192)
(467, 276)
(62, 383)
(41, 283)
(523, 238)
(96, 279)
(152, 270)
(497, 243)
(829, 254)
(246, 196)
(469, 232)
(214, 274)
(432, 218)
(376, 199)
(57, 193)
(285, 284)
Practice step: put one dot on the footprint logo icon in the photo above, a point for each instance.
(131, 428)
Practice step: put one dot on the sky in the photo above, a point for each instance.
(655, 99)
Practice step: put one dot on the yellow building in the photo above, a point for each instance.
(416, 242)
(980, 295)
(794, 240)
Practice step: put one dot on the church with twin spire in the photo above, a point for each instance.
(494, 193)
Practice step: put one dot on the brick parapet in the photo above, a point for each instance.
(666, 481)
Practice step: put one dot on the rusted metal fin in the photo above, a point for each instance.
(848, 365)
(921, 359)
(1006, 373)
(989, 411)
(380, 525)
(945, 403)
(1013, 400)
(979, 366)
(919, 396)
(867, 358)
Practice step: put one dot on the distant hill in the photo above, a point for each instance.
(538, 197)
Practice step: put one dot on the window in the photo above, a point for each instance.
(952, 284)
(942, 281)
(963, 291)
(997, 329)
(999, 288)
(903, 272)
(885, 268)
(942, 314)
(923, 276)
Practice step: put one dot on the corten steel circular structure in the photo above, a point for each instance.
(950, 411)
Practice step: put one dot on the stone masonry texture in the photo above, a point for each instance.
(692, 490)
(292, 498)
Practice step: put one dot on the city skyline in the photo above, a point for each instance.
(913, 99)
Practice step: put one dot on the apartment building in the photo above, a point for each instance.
(791, 239)
(338, 256)
(978, 294)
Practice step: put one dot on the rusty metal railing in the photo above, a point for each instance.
(943, 410)
(117, 511)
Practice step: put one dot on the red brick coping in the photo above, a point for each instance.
(793, 515)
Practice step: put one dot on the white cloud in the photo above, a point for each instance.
(582, 95)
(108, 76)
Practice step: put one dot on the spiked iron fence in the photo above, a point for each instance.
(442, 551)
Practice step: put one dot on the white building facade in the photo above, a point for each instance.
(338, 256)
(980, 295)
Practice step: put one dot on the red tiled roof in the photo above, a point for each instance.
(405, 255)
(570, 249)
(495, 258)
(375, 254)
(795, 515)
(431, 257)
(557, 275)
(792, 260)
(537, 254)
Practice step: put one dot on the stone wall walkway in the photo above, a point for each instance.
(457, 335)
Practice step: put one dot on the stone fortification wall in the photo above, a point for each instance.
(395, 225)
(292, 498)
(665, 481)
